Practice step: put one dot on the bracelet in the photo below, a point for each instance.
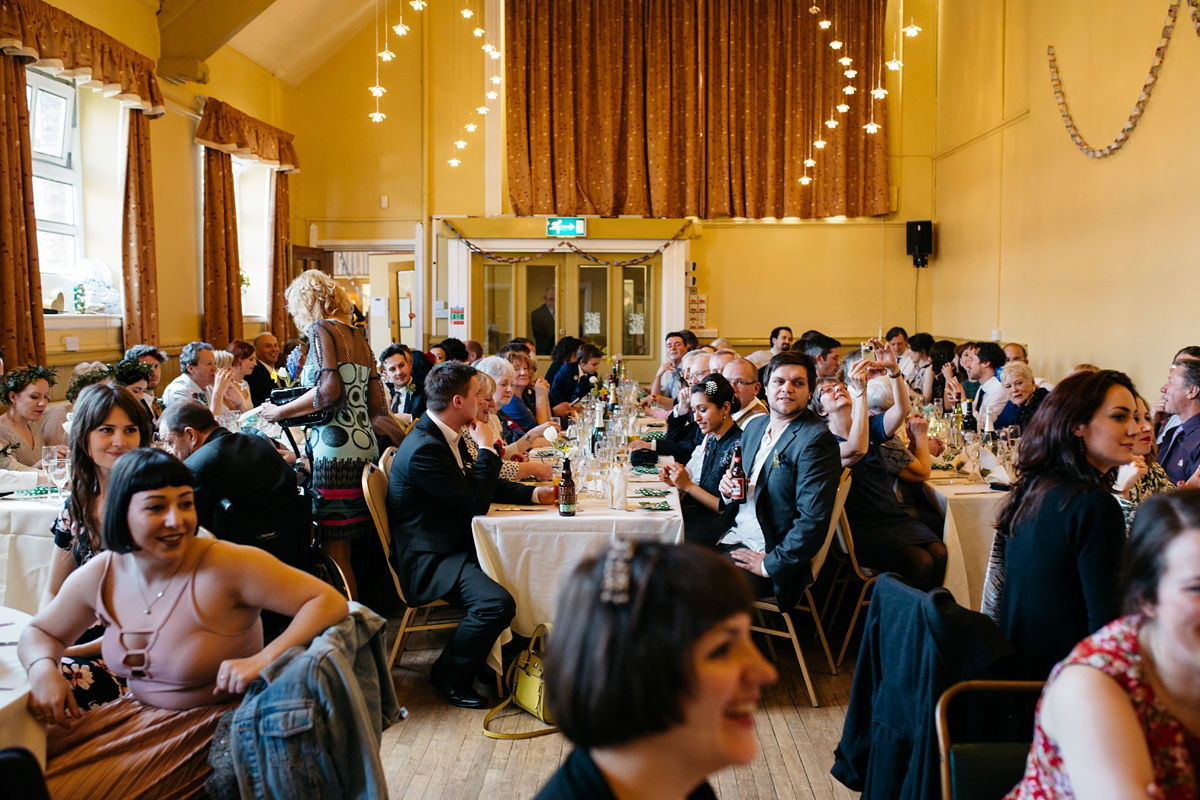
(895, 374)
(39, 658)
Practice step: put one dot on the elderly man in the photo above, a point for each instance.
(1180, 451)
(743, 376)
(263, 378)
(199, 365)
(781, 340)
(721, 357)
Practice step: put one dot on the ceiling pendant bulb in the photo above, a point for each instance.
(836, 44)
(386, 55)
(831, 123)
(492, 95)
(467, 13)
(496, 79)
(481, 110)
(487, 48)
(846, 61)
(912, 29)
(895, 64)
(848, 90)
(495, 53)
(479, 31)
(810, 162)
(454, 162)
(819, 144)
(378, 116)
(417, 4)
(814, 10)
(460, 144)
(805, 180)
(842, 108)
(879, 93)
(850, 73)
(824, 24)
(401, 29)
(377, 90)
(871, 127)
(470, 126)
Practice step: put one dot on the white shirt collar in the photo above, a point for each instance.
(452, 436)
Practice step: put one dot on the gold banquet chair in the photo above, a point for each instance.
(375, 483)
(848, 571)
(809, 604)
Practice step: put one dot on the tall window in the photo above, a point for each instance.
(251, 186)
(57, 188)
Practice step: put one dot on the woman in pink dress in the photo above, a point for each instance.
(1120, 716)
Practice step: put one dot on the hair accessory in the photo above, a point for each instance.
(710, 387)
(614, 585)
(17, 379)
(85, 380)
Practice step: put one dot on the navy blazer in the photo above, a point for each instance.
(793, 499)
(431, 502)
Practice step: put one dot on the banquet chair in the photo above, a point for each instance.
(772, 605)
(986, 770)
(848, 571)
(374, 483)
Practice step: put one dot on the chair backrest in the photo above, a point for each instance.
(385, 460)
(375, 484)
(980, 769)
(845, 540)
(839, 504)
(282, 528)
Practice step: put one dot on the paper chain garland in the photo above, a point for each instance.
(564, 243)
(1143, 99)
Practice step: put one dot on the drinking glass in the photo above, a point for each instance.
(59, 470)
(49, 453)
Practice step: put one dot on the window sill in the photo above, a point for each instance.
(61, 322)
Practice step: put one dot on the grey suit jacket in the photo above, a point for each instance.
(794, 498)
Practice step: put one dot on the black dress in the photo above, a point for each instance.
(701, 524)
(1060, 574)
(580, 779)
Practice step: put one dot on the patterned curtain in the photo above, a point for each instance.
(222, 265)
(137, 236)
(670, 108)
(22, 332)
(281, 322)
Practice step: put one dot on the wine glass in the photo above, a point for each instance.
(59, 470)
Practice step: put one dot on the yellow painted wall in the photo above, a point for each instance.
(1083, 259)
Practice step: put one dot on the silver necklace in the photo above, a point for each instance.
(157, 597)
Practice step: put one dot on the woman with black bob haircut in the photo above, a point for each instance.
(652, 674)
(1118, 717)
(182, 627)
(1060, 534)
(713, 406)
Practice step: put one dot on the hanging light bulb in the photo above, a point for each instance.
(377, 90)
(470, 126)
(819, 144)
(478, 31)
(895, 64)
(836, 44)
(824, 24)
(814, 10)
(495, 53)
(846, 61)
(850, 73)
(482, 110)
(831, 123)
(401, 29)
(467, 13)
(497, 80)
(805, 180)
(810, 162)
(871, 127)
(378, 116)
(460, 144)
(912, 29)
(454, 162)
(879, 93)
(417, 4)
(492, 95)
(842, 108)
(386, 55)
(487, 48)
(848, 90)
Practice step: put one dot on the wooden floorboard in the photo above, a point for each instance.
(440, 753)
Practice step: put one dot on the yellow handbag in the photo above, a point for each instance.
(526, 688)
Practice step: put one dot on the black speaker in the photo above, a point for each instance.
(920, 241)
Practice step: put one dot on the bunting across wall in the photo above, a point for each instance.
(1135, 116)
(62, 45)
(564, 244)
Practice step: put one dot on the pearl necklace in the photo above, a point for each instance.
(157, 597)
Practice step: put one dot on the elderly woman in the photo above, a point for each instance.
(509, 470)
(1142, 477)
(1118, 716)
(516, 439)
(340, 369)
(182, 627)
(651, 673)
(1024, 396)
(518, 409)
(26, 393)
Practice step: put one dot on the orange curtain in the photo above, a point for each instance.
(224, 128)
(22, 332)
(44, 36)
(222, 266)
(281, 322)
(137, 236)
(672, 108)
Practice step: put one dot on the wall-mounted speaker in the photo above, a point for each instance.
(920, 241)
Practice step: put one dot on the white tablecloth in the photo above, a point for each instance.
(18, 728)
(26, 548)
(970, 510)
(531, 552)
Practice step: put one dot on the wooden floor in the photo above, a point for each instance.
(440, 752)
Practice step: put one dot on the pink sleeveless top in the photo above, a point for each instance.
(1174, 750)
(177, 667)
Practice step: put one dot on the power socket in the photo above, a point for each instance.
(71, 343)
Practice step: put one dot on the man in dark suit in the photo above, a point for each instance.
(245, 490)
(541, 321)
(262, 379)
(793, 465)
(431, 500)
(406, 398)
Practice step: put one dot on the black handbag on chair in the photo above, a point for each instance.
(281, 397)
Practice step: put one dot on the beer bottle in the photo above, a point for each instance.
(566, 491)
(736, 471)
(969, 423)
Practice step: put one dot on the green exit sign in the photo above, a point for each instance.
(566, 226)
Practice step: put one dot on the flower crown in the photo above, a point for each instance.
(85, 380)
(129, 371)
(17, 379)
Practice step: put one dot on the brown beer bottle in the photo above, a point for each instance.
(740, 483)
(566, 491)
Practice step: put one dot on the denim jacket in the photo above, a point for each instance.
(310, 725)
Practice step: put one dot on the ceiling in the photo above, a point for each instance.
(288, 38)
